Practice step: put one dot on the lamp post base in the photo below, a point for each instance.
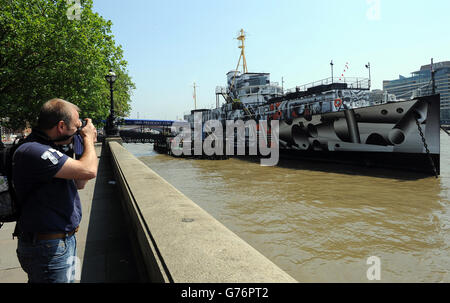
(112, 139)
(114, 132)
(111, 129)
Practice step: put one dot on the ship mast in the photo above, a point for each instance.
(195, 96)
(242, 47)
(242, 56)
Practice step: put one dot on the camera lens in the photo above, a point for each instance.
(83, 124)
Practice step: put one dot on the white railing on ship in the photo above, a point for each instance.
(352, 83)
(221, 90)
(252, 90)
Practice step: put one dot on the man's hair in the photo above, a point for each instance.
(53, 111)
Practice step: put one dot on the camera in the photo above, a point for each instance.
(83, 124)
(78, 143)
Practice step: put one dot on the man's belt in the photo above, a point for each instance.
(44, 237)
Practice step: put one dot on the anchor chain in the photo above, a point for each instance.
(433, 166)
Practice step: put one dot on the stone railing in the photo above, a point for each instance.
(177, 240)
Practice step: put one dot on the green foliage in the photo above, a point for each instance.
(44, 55)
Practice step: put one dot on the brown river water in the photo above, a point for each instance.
(321, 222)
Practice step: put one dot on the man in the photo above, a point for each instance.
(46, 181)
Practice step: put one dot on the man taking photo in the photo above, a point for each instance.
(47, 180)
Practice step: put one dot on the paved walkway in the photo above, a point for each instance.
(103, 245)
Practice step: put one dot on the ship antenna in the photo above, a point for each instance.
(370, 79)
(331, 64)
(242, 56)
(195, 96)
(433, 80)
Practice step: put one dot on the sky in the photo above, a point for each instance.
(170, 44)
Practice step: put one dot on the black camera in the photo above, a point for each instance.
(83, 124)
(78, 143)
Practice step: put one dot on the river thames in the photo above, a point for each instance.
(321, 222)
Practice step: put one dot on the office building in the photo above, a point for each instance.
(419, 84)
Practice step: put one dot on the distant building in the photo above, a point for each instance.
(419, 84)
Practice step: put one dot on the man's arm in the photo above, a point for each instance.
(81, 183)
(85, 168)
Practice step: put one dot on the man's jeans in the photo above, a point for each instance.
(48, 261)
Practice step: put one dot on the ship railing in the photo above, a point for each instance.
(273, 88)
(260, 90)
(352, 83)
(221, 90)
(310, 104)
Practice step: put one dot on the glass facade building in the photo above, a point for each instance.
(419, 84)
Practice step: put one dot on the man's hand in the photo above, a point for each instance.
(89, 132)
(86, 167)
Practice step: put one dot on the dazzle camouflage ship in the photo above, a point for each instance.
(335, 119)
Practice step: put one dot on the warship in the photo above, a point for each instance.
(337, 119)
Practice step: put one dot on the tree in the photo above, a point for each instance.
(44, 54)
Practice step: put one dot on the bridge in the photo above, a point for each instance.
(143, 131)
(156, 123)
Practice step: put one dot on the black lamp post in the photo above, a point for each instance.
(110, 127)
(2, 120)
(1, 136)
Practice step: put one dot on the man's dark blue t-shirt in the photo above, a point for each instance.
(48, 204)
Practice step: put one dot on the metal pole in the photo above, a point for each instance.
(332, 74)
(1, 137)
(370, 78)
(112, 130)
(111, 99)
(433, 80)
(195, 96)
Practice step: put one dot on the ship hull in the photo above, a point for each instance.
(401, 135)
(419, 163)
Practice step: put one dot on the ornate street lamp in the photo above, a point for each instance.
(110, 127)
